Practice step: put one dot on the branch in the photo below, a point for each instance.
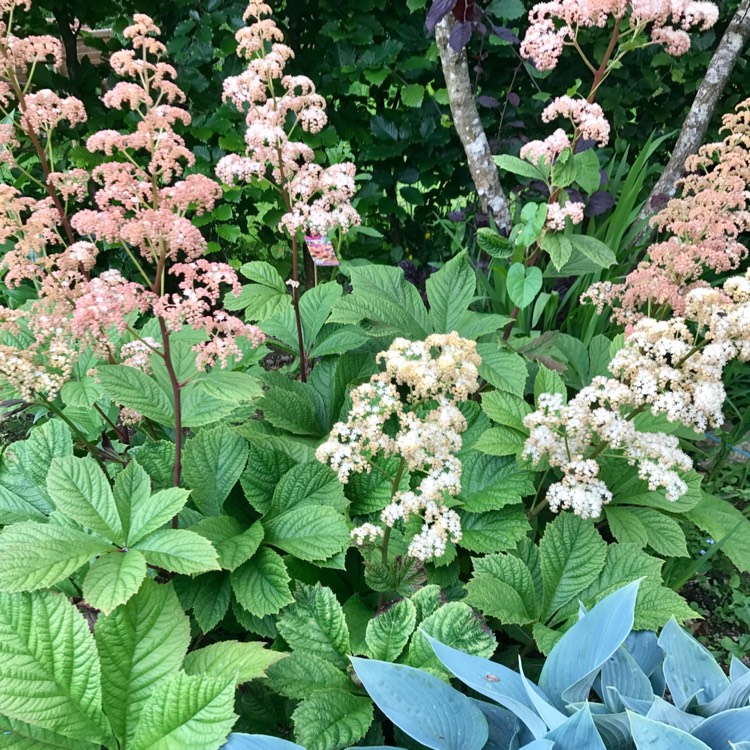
(700, 115)
(469, 126)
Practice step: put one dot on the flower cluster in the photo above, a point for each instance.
(674, 368)
(423, 429)
(705, 223)
(555, 24)
(318, 200)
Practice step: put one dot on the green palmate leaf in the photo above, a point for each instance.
(388, 632)
(563, 170)
(262, 584)
(186, 711)
(212, 463)
(626, 526)
(213, 594)
(18, 735)
(450, 292)
(573, 555)
(200, 408)
(292, 411)
(548, 381)
(503, 369)
(427, 601)
(264, 470)
(301, 674)
(179, 551)
(234, 544)
(307, 485)
(132, 490)
(518, 166)
(309, 532)
(657, 604)
(39, 555)
(502, 586)
(315, 307)
(82, 393)
(141, 512)
(720, 518)
(140, 645)
(331, 719)
(662, 532)
(490, 483)
(136, 390)
(316, 624)
(42, 684)
(263, 273)
(495, 531)
(454, 624)
(237, 387)
(501, 441)
(371, 492)
(231, 660)
(15, 506)
(157, 458)
(523, 284)
(506, 409)
(595, 250)
(113, 579)
(81, 491)
(258, 302)
(45, 443)
(337, 340)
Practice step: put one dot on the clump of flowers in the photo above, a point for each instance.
(672, 367)
(423, 428)
(705, 222)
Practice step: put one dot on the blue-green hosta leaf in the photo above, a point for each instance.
(316, 624)
(577, 732)
(493, 680)
(300, 674)
(731, 726)
(575, 661)
(388, 632)
(689, 668)
(45, 682)
(179, 551)
(456, 625)
(737, 669)
(330, 719)
(423, 706)
(136, 390)
(649, 735)
(737, 695)
(113, 579)
(308, 532)
(261, 585)
(502, 724)
(232, 660)
(307, 485)
(550, 715)
(621, 675)
(239, 741)
(234, 544)
(450, 291)
(81, 491)
(18, 735)
(666, 713)
(573, 554)
(212, 463)
(541, 744)
(140, 645)
(186, 711)
(39, 555)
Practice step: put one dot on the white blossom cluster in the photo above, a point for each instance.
(426, 427)
(673, 367)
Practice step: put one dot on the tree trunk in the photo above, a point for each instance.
(469, 126)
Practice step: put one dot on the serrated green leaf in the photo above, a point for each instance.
(719, 518)
(151, 513)
(82, 393)
(18, 735)
(232, 660)
(39, 555)
(234, 544)
(506, 409)
(113, 579)
(263, 473)
(237, 387)
(261, 585)
(331, 719)
(290, 411)
(587, 170)
(308, 532)
(315, 307)
(212, 464)
(388, 632)
(502, 586)
(81, 491)
(300, 674)
(503, 369)
(595, 250)
(263, 273)
(517, 166)
(558, 247)
(140, 645)
(157, 458)
(132, 489)
(450, 291)
(311, 484)
(548, 381)
(664, 534)
(573, 555)
(625, 525)
(490, 242)
(371, 492)
(501, 441)
(42, 684)
(186, 711)
(454, 624)
(213, 594)
(491, 483)
(412, 95)
(179, 551)
(316, 624)
(51, 440)
(495, 531)
(136, 390)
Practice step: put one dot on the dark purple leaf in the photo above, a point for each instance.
(540, 187)
(506, 34)
(481, 28)
(516, 124)
(481, 220)
(438, 11)
(598, 203)
(489, 102)
(659, 201)
(457, 215)
(574, 195)
(460, 35)
(513, 99)
(584, 144)
(603, 177)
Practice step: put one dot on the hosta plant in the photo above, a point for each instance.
(629, 672)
